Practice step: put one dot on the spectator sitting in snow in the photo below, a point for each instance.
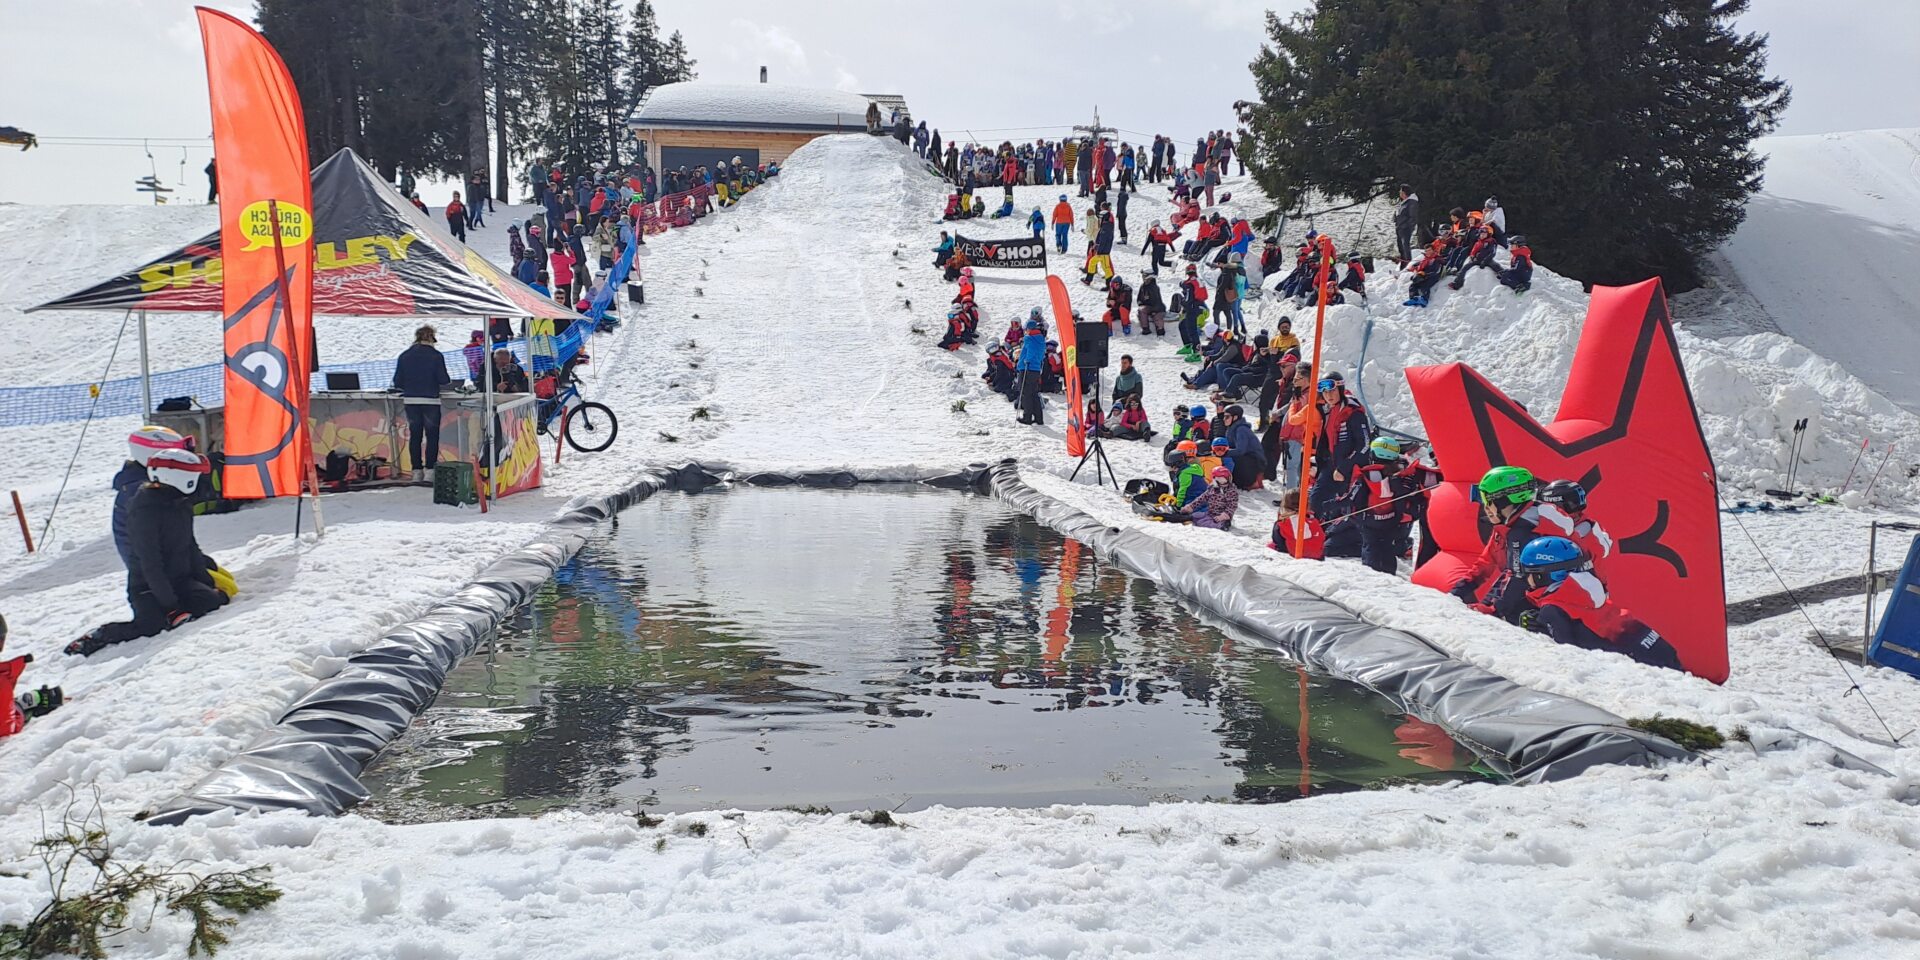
(169, 581)
(1127, 384)
(1570, 604)
(142, 444)
(1518, 276)
(1133, 423)
(1314, 538)
(1215, 508)
(17, 709)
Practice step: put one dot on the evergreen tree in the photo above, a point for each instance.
(1618, 136)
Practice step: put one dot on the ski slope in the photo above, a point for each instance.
(1831, 250)
(802, 322)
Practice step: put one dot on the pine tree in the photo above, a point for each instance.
(1618, 136)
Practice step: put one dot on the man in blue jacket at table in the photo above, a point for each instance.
(419, 375)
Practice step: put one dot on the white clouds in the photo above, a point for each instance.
(769, 43)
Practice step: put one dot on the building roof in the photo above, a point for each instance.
(697, 104)
(889, 102)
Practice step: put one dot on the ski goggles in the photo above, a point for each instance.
(1326, 385)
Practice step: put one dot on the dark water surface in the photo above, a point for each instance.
(889, 646)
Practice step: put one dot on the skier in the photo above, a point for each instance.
(1384, 523)
(1100, 256)
(1315, 537)
(1518, 275)
(1356, 278)
(1571, 605)
(1345, 432)
(142, 444)
(1033, 360)
(1038, 222)
(1505, 495)
(170, 580)
(1563, 513)
(1426, 273)
(1062, 223)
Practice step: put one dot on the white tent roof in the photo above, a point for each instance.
(700, 104)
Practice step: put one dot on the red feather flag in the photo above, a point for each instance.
(266, 233)
(1069, 360)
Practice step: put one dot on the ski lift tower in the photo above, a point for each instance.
(1093, 131)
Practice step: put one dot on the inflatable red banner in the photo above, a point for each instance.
(266, 234)
(1628, 431)
(1070, 364)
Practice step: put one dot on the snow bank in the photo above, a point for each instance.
(791, 322)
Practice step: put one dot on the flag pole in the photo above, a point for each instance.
(1313, 402)
(298, 362)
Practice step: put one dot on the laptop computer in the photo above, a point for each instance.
(343, 381)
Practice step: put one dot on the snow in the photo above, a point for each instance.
(699, 103)
(1829, 247)
(791, 319)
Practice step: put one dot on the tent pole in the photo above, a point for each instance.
(146, 373)
(486, 413)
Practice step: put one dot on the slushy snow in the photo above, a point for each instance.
(803, 321)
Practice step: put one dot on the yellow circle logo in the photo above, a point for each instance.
(256, 223)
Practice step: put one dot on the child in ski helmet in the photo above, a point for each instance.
(1563, 512)
(1505, 495)
(1569, 603)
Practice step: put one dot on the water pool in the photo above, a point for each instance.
(888, 646)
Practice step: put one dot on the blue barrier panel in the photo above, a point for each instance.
(1897, 643)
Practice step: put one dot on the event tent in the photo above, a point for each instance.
(375, 255)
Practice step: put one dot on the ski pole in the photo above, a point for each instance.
(1876, 474)
(1856, 463)
(1370, 507)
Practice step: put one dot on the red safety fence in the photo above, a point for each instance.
(673, 210)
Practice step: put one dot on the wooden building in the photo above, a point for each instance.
(694, 123)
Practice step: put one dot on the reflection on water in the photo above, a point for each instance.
(884, 647)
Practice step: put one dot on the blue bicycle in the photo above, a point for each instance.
(587, 426)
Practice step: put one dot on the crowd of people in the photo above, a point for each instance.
(1364, 493)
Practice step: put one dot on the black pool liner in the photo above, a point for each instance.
(312, 758)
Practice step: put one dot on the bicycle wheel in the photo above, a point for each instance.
(590, 427)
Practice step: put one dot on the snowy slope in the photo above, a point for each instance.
(1831, 250)
(788, 320)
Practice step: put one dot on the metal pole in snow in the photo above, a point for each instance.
(1856, 462)
(146, 373)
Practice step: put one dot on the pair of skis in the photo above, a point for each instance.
(1797, 446)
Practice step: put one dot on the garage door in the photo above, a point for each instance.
(673, 158)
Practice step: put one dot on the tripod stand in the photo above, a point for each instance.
(1096, 452)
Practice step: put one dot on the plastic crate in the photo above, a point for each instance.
(453, 484)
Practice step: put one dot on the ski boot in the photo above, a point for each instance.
(1415, 302)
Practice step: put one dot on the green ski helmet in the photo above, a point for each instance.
(1512, 485)
(1385, 448)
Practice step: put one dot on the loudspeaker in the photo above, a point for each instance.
(1090, 342)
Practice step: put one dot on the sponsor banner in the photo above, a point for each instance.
(1026, 253)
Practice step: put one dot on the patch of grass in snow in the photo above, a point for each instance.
(1693, 736)
(696, 828)
(97, 897)
(959, 406)
(646, 820)
(876, 818)
(666, 437)
(811, 810)
(701, 413)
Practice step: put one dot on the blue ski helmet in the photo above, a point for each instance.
(1553, 558)
(1197, 412)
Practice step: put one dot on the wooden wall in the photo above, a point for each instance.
(772, 145)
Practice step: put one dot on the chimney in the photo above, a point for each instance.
(763, 74)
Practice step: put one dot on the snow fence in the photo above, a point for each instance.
(312, 758)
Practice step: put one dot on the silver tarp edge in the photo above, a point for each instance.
(312, 758)
(1523, 733)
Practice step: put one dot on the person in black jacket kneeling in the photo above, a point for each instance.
(169, 580)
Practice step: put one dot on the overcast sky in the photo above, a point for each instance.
(131, 69)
